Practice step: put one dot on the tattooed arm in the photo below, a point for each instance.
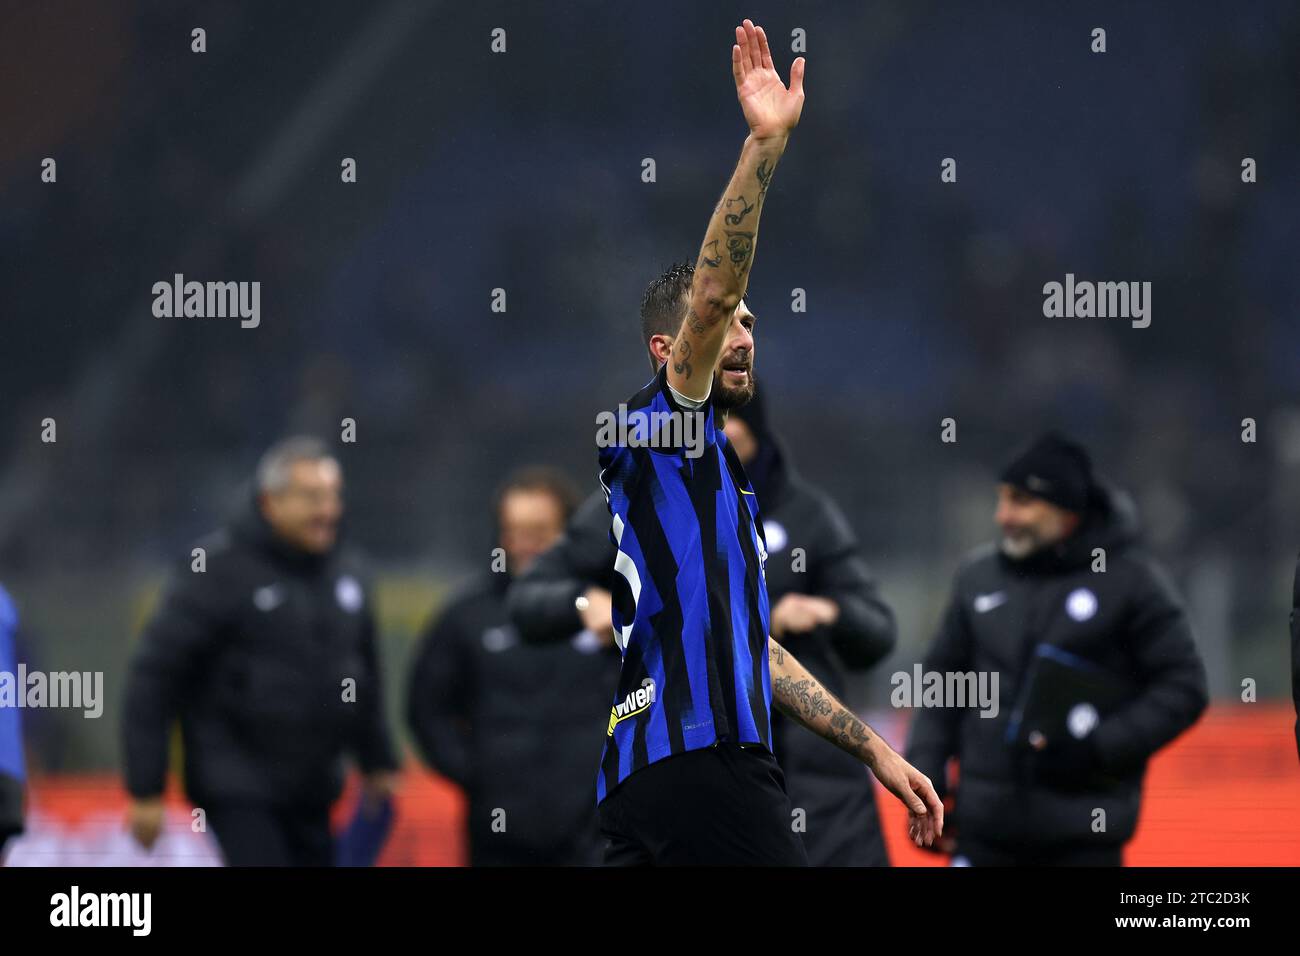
(804, 700)
(722, 272)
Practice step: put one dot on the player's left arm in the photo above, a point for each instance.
(801, 697)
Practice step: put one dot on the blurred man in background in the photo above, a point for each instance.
(827, 610)
(1067, 584)
(515, 724)
(265, 652)
(826, 607)
(13, 767)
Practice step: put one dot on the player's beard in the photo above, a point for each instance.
(727, 397)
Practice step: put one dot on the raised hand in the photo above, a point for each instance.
(770, 109)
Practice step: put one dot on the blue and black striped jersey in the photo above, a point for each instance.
(690, 601)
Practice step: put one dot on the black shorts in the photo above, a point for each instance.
(723, 805)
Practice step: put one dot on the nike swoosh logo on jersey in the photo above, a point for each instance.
(987, 602)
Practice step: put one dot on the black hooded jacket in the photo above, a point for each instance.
(268, 659)
(1126, 619)
(833, 788)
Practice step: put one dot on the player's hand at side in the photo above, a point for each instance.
(947, 842)
(925, 809)
(770, 109)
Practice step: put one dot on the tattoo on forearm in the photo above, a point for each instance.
(682, 364)
(734, 218)
(764, 176)
(805, 700)
(694, 322)
(741, 247)
(847, 731)
(710, 256)
(804, 697)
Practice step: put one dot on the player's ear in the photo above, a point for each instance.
(661, 347)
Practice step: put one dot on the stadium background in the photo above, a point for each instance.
(522, 171)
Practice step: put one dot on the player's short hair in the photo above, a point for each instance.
(273, 469)
(664, 305)
(542, 478)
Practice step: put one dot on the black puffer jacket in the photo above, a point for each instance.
(252, 656)
(812, 550)
(833, 789)
(1126, 619)
(519, 726)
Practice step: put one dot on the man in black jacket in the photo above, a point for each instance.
(825, 608)
(1067, 574)
(517, 726)
(264, 648)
